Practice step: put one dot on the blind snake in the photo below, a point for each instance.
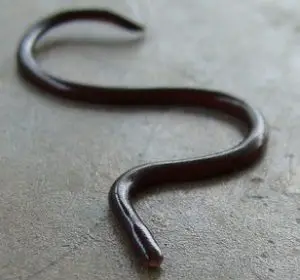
(241, 155)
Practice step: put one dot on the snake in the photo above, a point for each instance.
(120, 196)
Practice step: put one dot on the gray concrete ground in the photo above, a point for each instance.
(57, 161)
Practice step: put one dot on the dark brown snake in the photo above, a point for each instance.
(245, 153)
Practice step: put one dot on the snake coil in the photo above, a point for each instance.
(243, 154)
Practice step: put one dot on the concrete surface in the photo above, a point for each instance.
(57, 161)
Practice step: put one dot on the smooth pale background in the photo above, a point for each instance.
(58, 161)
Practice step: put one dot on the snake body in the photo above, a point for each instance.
(242, 155)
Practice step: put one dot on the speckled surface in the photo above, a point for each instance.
(57, 161)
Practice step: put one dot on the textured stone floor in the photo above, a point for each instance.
(58, 161)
